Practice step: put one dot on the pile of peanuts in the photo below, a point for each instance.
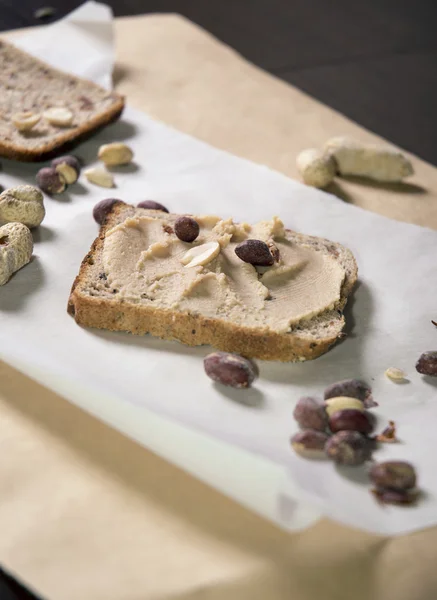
(338, 428)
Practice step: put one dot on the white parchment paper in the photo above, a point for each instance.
(127, 380)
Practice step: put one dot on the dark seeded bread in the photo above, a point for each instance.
(28, 84)
(93, 304)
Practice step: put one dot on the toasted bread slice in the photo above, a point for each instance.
(94, 303)
(28, 84)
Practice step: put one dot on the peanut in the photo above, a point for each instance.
(230, 369)
(333, 405)
(201, 255)
(316, 168)
(100, 176)
(16, 247)
(59, 116)
(367, 160)
(22, 204)
(115, 154)
(186, 229)
(25, 121)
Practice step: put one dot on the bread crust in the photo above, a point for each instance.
(67, 139)
(194, 330)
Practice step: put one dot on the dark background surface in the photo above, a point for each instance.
(374, 61)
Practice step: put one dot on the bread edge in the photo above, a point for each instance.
(71, 138)
(192, 330)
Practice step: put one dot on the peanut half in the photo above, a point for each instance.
(59, 116)
(25, 121)
(201, 255)
(100, 176)
(16, 247)
(115, 154)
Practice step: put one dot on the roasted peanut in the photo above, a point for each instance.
(230, 369)
(152, 205)
(427, 363)
(352, 388)
(50, 181)
(350, 419)
(349, 448)
(393, 474)
(186, 229)
(255, 252)
(310, 443)
(68, 167)
(311, 414)
(102, 208)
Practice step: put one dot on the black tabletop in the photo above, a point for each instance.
(374, 61)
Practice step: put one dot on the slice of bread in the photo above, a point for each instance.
(94, 304)
(28, 84)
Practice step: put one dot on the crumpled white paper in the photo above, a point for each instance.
(81, 43)
(156, 391)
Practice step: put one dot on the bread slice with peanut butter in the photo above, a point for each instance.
(44, 111)
(141, 278)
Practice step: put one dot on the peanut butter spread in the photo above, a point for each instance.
(143, 261)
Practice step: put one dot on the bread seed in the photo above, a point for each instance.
(68, 167)
(201, 255)
(115, 154)
(152, 205)
(102, 208)
(255, 252)
(100, 176)
(342, 403)
(186, 229)
(310, 414)
(348, 448)
(25, 121)
(50, 181)
(59, 116)
(393, 474)
(310, 443)
(427, 363)
(230, 369)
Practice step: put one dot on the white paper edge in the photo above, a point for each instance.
(250, 480)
